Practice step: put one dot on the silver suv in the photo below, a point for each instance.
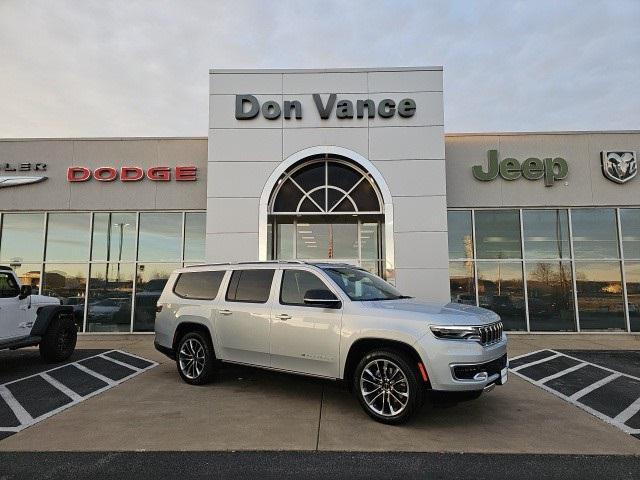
(333, 321)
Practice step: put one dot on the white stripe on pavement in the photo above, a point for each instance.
(21, 414)
(537, 362)
(562, 372)
(63, 388)
(594, 386)
(628, 412)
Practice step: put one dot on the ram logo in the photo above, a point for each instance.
(14, 181)
(619, 166)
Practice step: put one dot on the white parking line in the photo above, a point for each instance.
(618, 421)
(536, 362)
(26, 420)
(21, 414)
(594, 386)
(63, 388)
(628, 412)
(106, 357)
(563, 372)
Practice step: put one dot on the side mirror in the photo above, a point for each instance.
(321, 298)
(25, 291)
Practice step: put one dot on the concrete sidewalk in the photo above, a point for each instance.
(250, 409)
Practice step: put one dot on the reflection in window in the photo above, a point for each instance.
(22, 237)
(460, 234)
(28, 274)
(68, 237)
(600, 303)
(630, 225)
(284, 241)
(327, 240)
(68, 283)
(295, 285)
(151, 279)
(632, 275)
(194, 236)
(160, 237)
(369, 241)
(462, 282)
(109, 303)
(595, 233)
(546, 233)
(114, 236)
(501, 289)
(498, 234)
(550, 295)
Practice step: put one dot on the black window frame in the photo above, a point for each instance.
(284, 270)
(234, 282)
(175, 284)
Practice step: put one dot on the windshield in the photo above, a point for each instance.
(360, 285)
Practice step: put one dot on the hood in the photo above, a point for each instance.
(44, 300)
(437, 313)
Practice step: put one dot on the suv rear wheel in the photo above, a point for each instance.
(59, 341)
(195, 359)
(388, 387)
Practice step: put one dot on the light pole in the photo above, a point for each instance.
(121, 225)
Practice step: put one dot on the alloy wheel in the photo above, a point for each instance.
(192, 358)
(384, 387)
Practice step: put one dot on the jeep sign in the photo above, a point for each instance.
(533, 168)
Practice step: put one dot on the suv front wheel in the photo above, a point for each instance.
(388, 387)
(195, 359)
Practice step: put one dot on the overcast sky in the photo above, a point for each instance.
(139, 68)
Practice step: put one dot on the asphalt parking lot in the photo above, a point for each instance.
(600, 382)
(250, 409)
(31, 390)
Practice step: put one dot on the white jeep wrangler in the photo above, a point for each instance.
(27, 320)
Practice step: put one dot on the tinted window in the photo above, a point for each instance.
(460, 237)
(160, 237)
(546, 234)
(595, 233)
(68, 237)
(295, 283)
(498, 234)
(251, 286)
(8, 286)
(362, 286)
(22, 237)
(199, 285)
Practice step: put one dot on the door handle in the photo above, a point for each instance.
(225, 311)
(283, 316)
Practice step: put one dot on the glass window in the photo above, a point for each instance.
(199, 285)
(369, 241)
(160, 237)
(462, 282)
(460, 234)
(194, 236)
(595, 233)
(150, 282)
(500, 288)
(285, 239)
(498, 234)
(68, 283)
(295, 283)
(68, 237)
(546, 234)
(109, 303)
(600, 303)
(251, 286)
(28, 274)
(550, 295)
(632, 275)
(8, 285)
(327, 240)
(362, 286)
(114, 237)
(630, 226)
(22, 237)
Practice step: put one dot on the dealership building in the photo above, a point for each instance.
(348, 165)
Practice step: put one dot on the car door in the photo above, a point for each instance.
(304, 338)
(13, 310)
(244, 315)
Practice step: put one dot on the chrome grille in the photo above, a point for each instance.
(491, 333)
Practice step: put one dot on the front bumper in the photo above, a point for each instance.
(460, 365)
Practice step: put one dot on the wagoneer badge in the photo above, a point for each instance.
(619, 166)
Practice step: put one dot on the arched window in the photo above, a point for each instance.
(326, 186)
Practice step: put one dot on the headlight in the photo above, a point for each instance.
(456, 333)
